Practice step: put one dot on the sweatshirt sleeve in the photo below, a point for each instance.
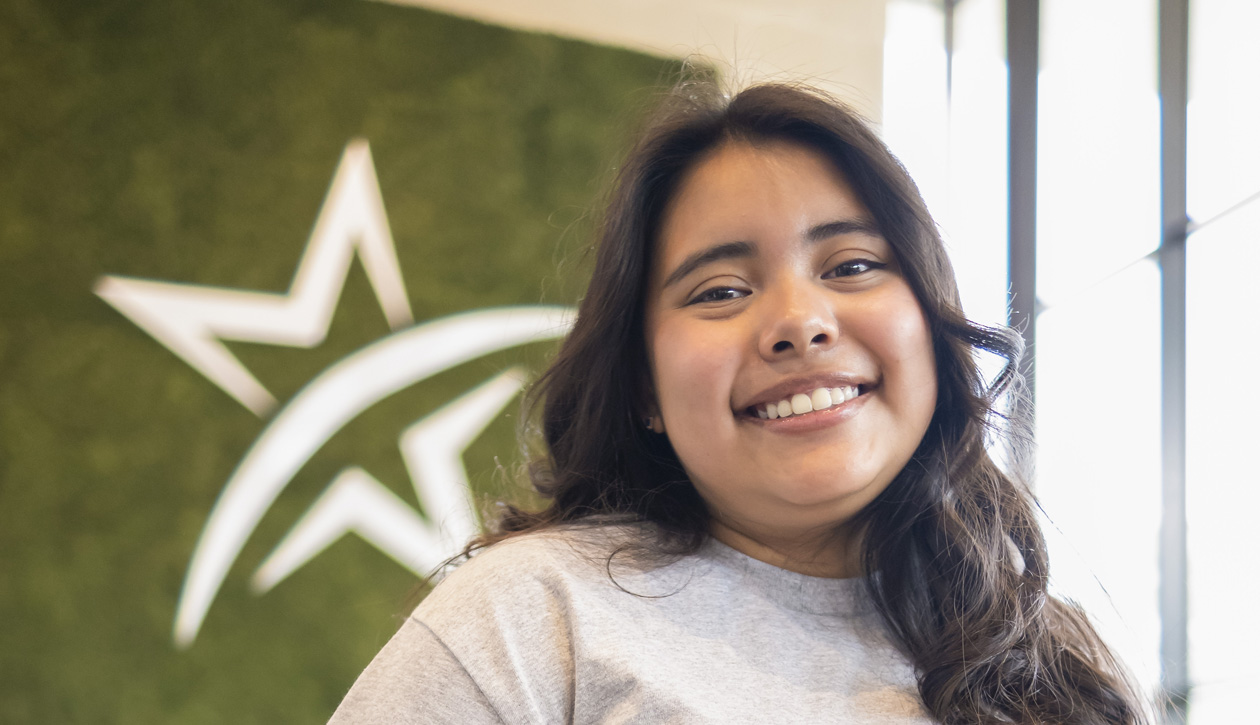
(506, 616)
(415, 679)
(491, 643)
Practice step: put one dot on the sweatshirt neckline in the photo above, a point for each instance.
(793, 590)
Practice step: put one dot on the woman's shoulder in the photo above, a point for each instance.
(509, 615)
(543, 565)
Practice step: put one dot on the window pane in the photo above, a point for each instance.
(1098, 457)
(916, 123)
(1223, 495)
(954, 143)
(1224, 143)
(974, 218)
(1098, 141)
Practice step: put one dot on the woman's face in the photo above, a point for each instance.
(792, 365)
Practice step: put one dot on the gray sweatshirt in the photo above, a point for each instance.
(544, 629)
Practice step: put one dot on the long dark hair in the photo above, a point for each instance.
(956, 563)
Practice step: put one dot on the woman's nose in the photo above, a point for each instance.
(797, 320)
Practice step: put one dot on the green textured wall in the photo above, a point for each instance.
(194, 141)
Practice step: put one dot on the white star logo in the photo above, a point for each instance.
(193, 320)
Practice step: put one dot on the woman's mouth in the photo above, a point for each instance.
(805, 402)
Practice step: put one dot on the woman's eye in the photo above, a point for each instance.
(718, 294)
(852, 268)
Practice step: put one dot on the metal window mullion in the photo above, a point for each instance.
(1173, 590)
(948, 12)
(1023, 21)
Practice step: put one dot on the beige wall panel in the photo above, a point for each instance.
(835, 44)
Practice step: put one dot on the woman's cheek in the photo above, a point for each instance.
(695, 374)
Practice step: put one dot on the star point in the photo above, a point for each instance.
(193, 320)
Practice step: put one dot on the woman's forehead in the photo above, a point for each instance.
(756, 193)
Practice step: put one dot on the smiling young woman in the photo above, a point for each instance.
(770, 287)
(770, 497)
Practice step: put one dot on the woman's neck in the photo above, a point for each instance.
(833, 554)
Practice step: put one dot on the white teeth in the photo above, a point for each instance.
(820, 399)
(801, 403)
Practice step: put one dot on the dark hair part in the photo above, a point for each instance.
(956, 563)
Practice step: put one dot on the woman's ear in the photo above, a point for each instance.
(652, 419)
(654, 423)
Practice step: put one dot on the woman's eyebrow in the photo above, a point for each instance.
(727, 250)
(844, 226)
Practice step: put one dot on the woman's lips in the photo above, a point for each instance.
(814, 419)
(802, 403)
